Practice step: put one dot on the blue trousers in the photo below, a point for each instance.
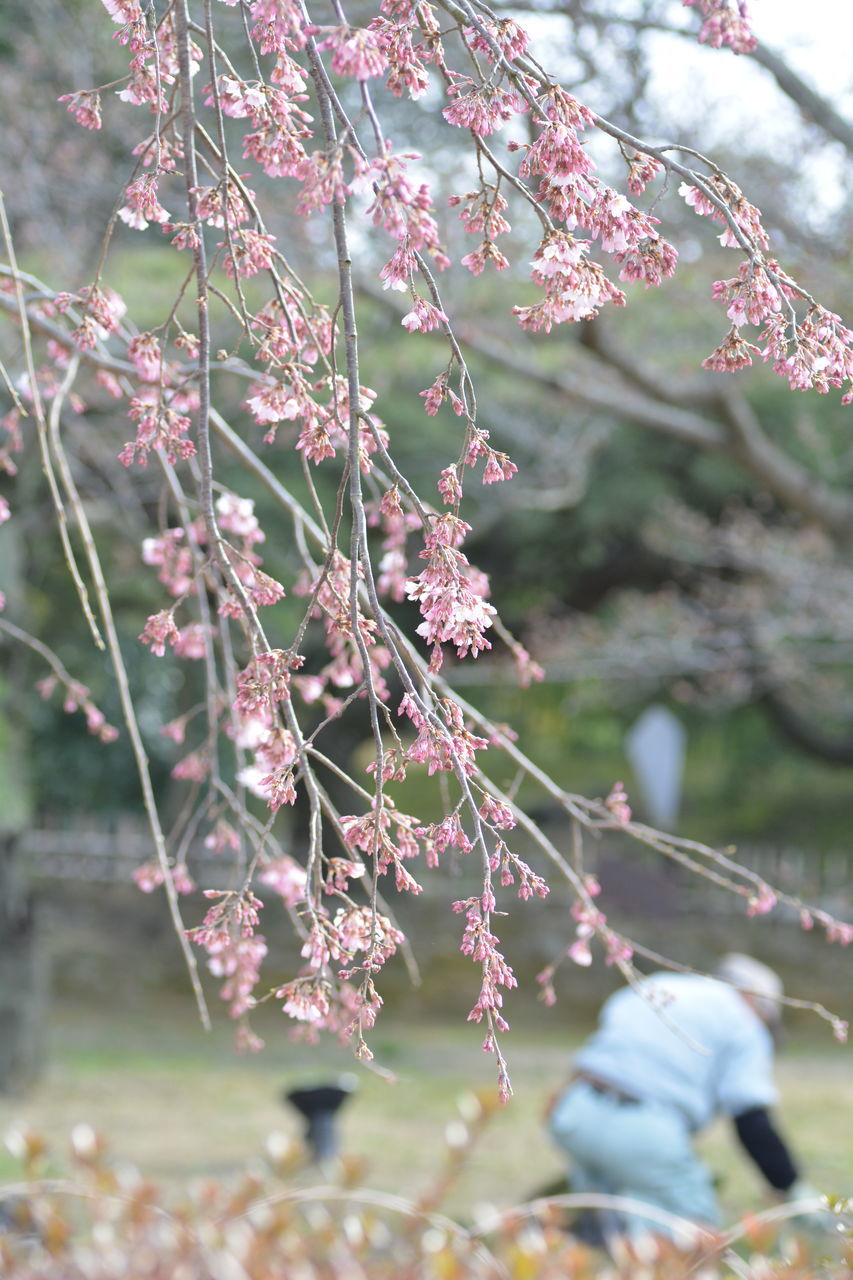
(640, 1150)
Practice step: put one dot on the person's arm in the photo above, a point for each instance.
(764, 1145)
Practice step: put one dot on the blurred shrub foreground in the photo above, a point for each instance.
(109, 1222)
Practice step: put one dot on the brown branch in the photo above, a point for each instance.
(805, 736)
(815, 108)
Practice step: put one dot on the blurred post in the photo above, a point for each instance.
(319, 1105)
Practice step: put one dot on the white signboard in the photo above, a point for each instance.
(656, 746)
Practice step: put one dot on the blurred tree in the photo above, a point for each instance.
(295, 553)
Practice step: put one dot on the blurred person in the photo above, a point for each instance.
(664, 1061)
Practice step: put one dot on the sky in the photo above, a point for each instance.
(735, 100)
(814, 36)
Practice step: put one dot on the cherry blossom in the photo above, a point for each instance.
(306, 104)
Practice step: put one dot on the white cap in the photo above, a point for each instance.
(756, 980)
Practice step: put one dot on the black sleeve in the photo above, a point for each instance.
(764, 1145)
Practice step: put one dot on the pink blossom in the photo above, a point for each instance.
(223, 838)
(323, 181)
(407, 71)
(732, 354)
(548, 995)
(435, 747)
(497, 813)
(482, 108)
(104, 307)
(159, 631)
(182, 879)
(339, 873)
(650, 260)
(435, 396)
(575, 288)
(579, 952)
(286, 877)
(305, 999)
(250, 252)
(159, 428)
(557, 153)
(617, 950)
(148, 877)
(751, 295)
(359, 930)
(423, 316)
(446, 834)
(762, 902)
(123, 11)
(397, 272)
(726, 22)
(86, 108)
(174, 559)
(194, 767)
(498, 467)
(511, 39)
(276, 145)
(617, 803)
(357, 52)
(528, 670)
(238, 959)
(237, 515)
(641, 171)
(402, 208)
(142, 204)
(216, 205)
(449, 486)
(838, 931)
(730, 198)
(486, 252)
(144, 352)
(190, 642)
(238, 98)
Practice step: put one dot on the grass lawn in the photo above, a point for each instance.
(181, 1104)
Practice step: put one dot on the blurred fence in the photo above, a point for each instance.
(110, 854)
(105, 854)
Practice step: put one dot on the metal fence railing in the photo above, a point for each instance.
(110, 854)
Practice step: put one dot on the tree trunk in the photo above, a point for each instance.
(22, 988)
(22, 969)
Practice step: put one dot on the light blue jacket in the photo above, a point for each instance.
(690, 1042)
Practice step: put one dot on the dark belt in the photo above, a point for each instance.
(603, 1087)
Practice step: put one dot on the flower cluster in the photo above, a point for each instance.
(234, 949)
(575, 287)
(76, 697)
(726, 22)
(441, 747)
(617, 803)
(85, 107)
(454, 610)
(159, 631)
(143, 205)
(388, 837)
(159, 427)
(481, 945)
(264, 682)
(589, 922)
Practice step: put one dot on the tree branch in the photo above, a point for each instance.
(734, 431)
